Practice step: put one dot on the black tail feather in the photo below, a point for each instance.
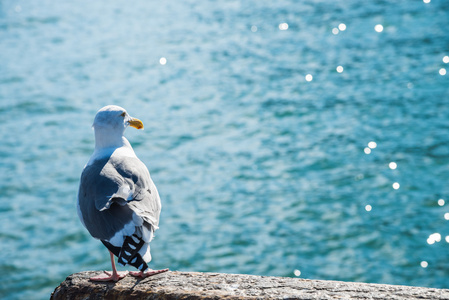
(113, 249)
(129, 253)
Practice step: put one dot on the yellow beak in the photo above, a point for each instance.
(136, 123)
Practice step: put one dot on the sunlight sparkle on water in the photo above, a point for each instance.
(393, 165)
(442, 71)
(447, 238)
(367, 150)
(309, 77)
(283, 26)
(254, 28)
(297, 272)
(335, 30)
(339, 69)
(441, 202)
(162, 60)
(434, 237)
(342, 27)
(446, 216)
(424, 264)
(372, 145)
(379, 28)
(446, 59)
(396, 186)
(368, 207)
(426, 1)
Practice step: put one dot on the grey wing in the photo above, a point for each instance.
(94, 188)
(143, 197)
(124, 181)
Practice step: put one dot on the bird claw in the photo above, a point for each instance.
(110, 276)
(147, 273)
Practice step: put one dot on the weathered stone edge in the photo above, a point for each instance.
(195, 285)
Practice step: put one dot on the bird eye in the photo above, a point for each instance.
(123, 114)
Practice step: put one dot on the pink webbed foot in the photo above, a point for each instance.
(110, 276)
(147, 273)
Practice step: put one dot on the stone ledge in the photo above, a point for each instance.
(195, 285)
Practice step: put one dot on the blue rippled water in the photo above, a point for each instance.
(261, 168)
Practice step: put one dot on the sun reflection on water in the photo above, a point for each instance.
(379, 28)
(372, 145)
(393, 165)
(283, 26)
(434, 238)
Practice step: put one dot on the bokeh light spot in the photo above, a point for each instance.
(283, 26)
(379, 28)
(434, 237)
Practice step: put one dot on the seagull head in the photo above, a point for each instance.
(109, 125)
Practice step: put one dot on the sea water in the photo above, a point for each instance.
(287, 138)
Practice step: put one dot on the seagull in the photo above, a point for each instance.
(118, 202)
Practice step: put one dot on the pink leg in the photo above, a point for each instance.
(147, 273)
(110, 276)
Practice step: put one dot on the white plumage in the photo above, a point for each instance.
(118, 202)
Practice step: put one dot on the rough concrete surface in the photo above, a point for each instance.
(195, 285)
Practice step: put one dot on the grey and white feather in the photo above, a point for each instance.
(118, 202)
